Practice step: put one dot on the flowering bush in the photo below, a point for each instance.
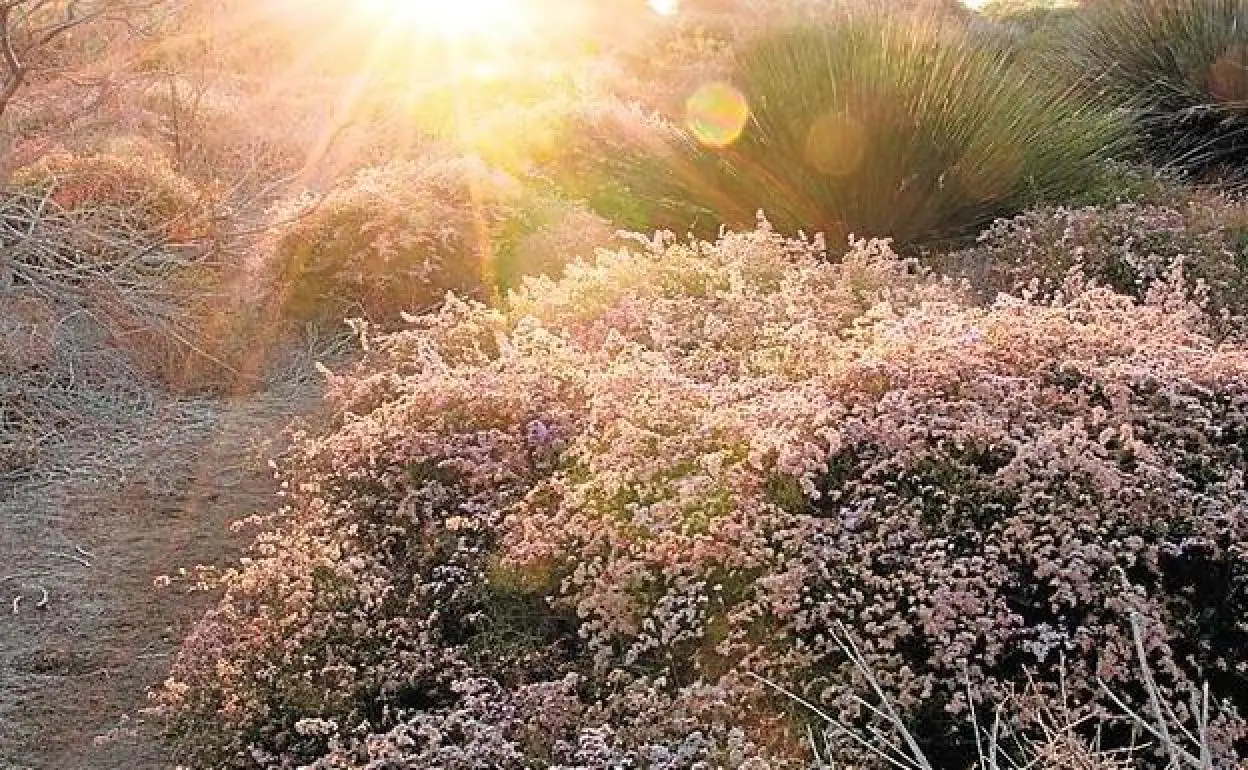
(1197, 248)
(563, 535)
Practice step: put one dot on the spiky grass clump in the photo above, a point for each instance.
(909, 129)
(631, 166)
(1181, 67)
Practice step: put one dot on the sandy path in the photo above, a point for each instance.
(74, 674)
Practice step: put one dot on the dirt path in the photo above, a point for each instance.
(74, 673)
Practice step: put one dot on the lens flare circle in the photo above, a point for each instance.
(716, 114)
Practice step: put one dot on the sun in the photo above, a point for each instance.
(451, 19)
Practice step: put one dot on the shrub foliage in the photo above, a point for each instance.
(1181, 67)
(396, 238)
(562, 534)
(1193, 250)
(399, 237)
(911, 130)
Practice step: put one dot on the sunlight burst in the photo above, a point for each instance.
(451, 18)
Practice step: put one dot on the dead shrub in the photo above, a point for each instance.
(28, 328)
(135, 185)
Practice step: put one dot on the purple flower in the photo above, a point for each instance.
(537, 433)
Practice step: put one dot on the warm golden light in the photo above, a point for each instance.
(451, 18)
(716, 114)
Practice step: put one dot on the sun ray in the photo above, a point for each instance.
(453, 20)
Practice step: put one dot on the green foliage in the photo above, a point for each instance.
(542, 236)
(630, 166)
(1181, 68)
(914, 130)
(399, 237)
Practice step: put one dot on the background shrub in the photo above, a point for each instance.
(395, 238)
(631, 166)
(1195, 249)
(911, 129)
(1035, 27)
(1180, 68)
(545, 236)
(682, 463)
(130, 185)
(124, 252)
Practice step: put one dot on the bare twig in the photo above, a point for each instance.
(1163, 716)
(71, 557)
(1053, 737)
(29, 28)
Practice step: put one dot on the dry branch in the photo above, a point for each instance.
(102, 286)
(30, 28)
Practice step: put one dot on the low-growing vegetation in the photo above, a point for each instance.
(750, 384)
(684, 464)
(1195, 249)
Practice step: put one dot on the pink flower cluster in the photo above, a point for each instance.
(1192, 249)
(565, 534)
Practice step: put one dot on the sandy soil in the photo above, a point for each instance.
(74, 672)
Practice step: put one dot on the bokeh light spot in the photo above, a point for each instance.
(665, 7)
(836, 144)
(716, 114)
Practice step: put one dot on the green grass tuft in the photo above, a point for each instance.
(1181, 68)
(916, 131)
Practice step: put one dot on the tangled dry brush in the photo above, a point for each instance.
(565, 534)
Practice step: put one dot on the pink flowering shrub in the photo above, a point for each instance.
(565, 535)
(1198, 247)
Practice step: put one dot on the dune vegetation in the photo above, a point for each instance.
(747, 384)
